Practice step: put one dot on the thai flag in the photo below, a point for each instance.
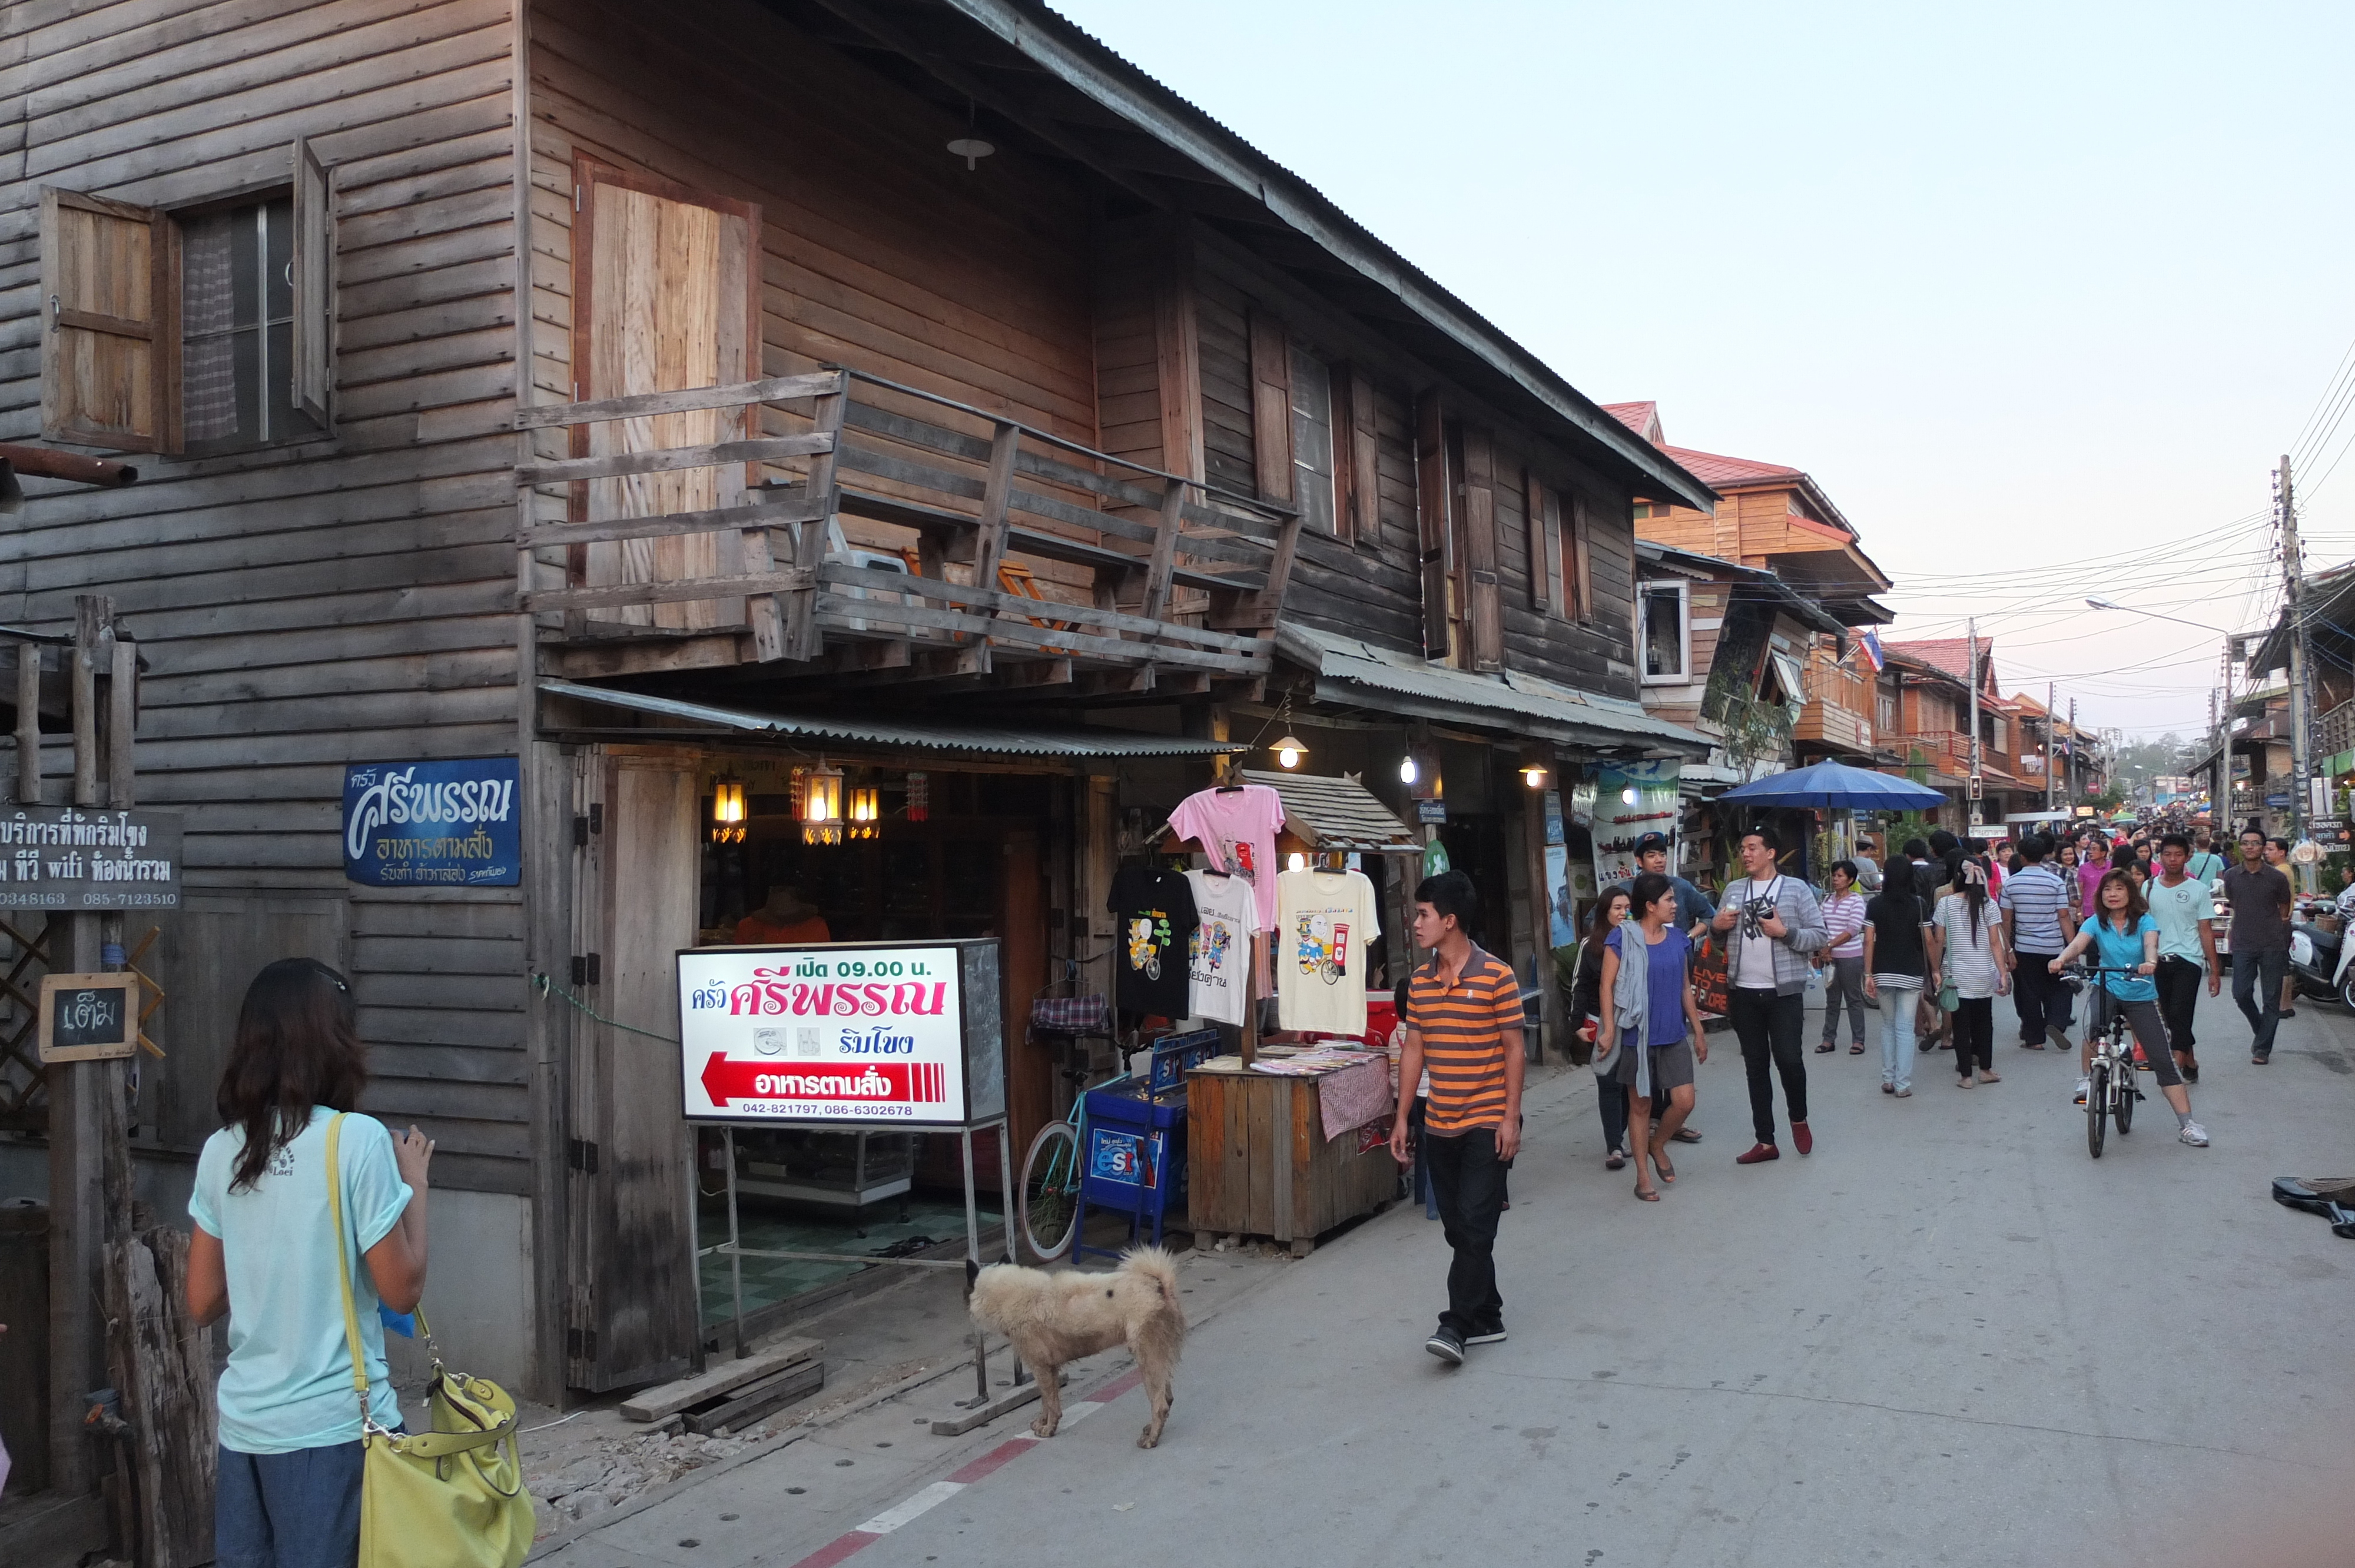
(1868, 651)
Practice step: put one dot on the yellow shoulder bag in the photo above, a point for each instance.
(451, 1498)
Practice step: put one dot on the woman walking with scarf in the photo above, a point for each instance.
(1967, 947)
(1652, 1014)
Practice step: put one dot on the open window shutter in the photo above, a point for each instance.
(1580, 591)
(107, 319)
(1483, 602)
(314, 270)
(1560, 584)
(1433, 496)
(1364, 522)
(1271, 366)
(1533, 505)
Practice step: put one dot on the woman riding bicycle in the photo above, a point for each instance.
(2126, 941)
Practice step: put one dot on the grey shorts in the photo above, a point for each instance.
(1672, 1068)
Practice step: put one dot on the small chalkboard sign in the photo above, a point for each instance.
(88, 1017)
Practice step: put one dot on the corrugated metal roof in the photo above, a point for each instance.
(1338, 813)
(926, 734)
(1524, 705)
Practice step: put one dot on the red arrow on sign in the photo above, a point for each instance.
(881, 1083)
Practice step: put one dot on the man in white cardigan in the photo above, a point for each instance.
(1772, 927)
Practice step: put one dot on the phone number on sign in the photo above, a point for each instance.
(825, 1110)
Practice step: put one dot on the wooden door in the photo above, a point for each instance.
(630, 1180)
(666, 297)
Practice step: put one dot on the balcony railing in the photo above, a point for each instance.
(1012, 545)
(1947, 750)
(1837, 710)
(2336, 729)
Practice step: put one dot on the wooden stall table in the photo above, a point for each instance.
(1261, 1164)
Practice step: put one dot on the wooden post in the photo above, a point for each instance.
(28, 724)
(798, 607)
(90, 1161)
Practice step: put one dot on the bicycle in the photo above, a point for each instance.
(1050, 1190)
(2110, 1091)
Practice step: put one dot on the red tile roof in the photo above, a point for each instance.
(1714, 469)
(1644, 418)
(1950, 655)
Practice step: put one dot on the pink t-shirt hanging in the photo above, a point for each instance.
(1237, 829)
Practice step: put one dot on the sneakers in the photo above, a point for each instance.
(1447, 1345)
(1494, 1336)
(2194, 1134)
(2085, 1085)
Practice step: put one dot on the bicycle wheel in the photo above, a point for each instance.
(2123, 1112)
(2097, 1096)
(1051, 1189)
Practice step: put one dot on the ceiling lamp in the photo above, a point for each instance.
(1406, 768)
(1291, 749)
(969, 146)
(727, 812)
(822, 806)
(1534, 775)
(865, 812)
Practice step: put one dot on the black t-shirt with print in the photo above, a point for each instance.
(1153, 923)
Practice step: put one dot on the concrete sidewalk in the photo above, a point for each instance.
(1950, 1336)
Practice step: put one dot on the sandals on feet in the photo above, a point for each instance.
(1824, 1047)
(1648, 1195)
(1856, 1050)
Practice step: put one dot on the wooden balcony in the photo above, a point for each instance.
(1836, 714)
(1946, 750)
(976, 547)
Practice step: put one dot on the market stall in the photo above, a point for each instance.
(1287, 1134)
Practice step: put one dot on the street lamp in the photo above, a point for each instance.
(2155, 615)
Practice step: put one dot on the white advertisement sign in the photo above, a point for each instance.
(834, 1033)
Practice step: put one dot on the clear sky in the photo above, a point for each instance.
(2040, 294)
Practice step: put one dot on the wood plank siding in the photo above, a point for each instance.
(342, 598)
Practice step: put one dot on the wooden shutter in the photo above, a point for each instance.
(666, 297)
(1578, 583)
(313, 275)
(1545, 552)
(1364, 520)
(629, 1314)
(1482, 608)
(1271, 366)
(107, 299)
(1434, 498)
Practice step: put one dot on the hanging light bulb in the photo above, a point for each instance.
(1534, 775)
(822, 806)
(1406, 768)
(1291, 749)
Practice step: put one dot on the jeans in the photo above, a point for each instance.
(1846, 980)
(1897, 1034)
(1769, 1026)
(1610, 1100)
(288, 1511)
(2261, 972)
(2039, 998)
(1975, 1035)
(1470, 1183)
(2178, 997)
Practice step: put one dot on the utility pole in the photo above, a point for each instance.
(2293, 571)
(1975, 790)
(2052, 752)
(2223, 813)
(2069, 790)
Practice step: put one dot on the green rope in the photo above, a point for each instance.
(547, 987)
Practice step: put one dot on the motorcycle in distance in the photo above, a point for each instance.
(2320, 955)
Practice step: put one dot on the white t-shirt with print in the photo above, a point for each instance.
(1324, 921)
(1220, 955)
(1757, 963)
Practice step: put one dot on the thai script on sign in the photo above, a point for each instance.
(433, 823)
(398, 798)
(771, 992)
(75, 829)
(65, 857)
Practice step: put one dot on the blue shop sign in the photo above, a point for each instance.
(433, 824)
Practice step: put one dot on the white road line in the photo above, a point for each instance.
(1079, 1410)
(931, 1496)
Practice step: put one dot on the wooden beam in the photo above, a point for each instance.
(663, 460)
(645, 405)
(1165, 552)
(679, 589)
(789, 507)
(822, 485)
(837, 574)
(996, 492)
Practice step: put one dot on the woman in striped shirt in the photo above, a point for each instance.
(1844, 946)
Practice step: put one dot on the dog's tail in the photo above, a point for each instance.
(1156, 1265)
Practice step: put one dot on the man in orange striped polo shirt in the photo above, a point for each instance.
(1464, 1023)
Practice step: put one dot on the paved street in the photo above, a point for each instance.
(1948, 1337)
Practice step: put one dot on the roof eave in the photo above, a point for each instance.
(1087, 66)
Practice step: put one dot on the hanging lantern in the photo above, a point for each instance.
(865, 811)
(822, 806)
(727, 812)
(920, 796)
(1291, 749)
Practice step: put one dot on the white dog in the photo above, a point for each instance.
(1051, 1319)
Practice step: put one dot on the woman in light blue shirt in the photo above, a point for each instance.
(2126, 943)
(264, 1253)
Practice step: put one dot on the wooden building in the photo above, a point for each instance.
(679, 396)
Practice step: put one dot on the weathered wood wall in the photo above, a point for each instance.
(300, 607)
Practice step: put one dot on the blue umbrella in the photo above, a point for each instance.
(1827, 784)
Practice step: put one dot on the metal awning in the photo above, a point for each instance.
(925, 734)
(1337, 814)
(1349, 670)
